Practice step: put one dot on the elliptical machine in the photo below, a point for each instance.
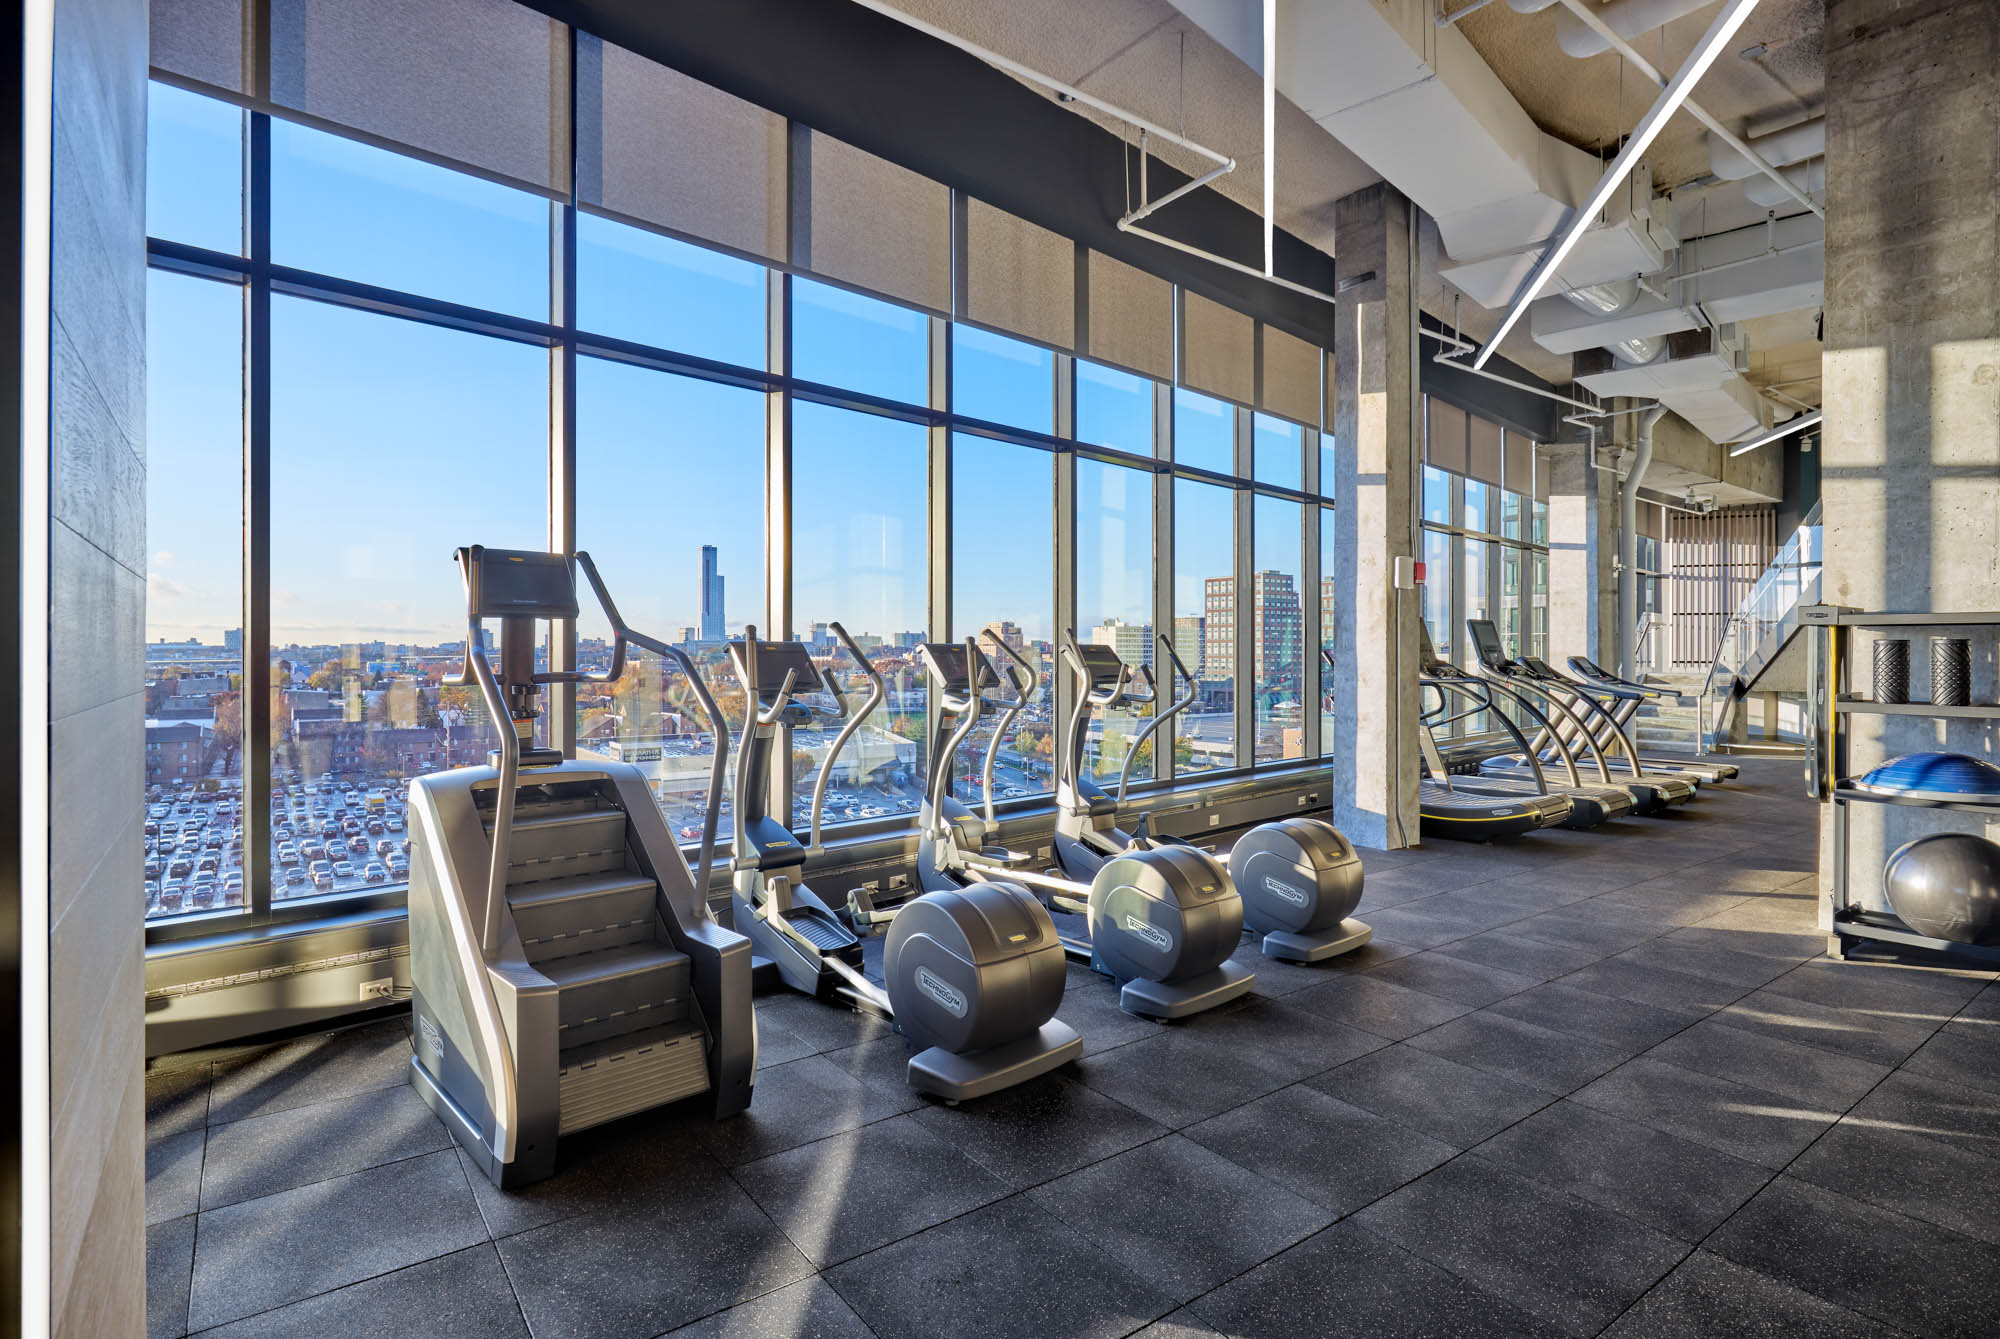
(972, 976)
(1299, 878)
(1161, 921)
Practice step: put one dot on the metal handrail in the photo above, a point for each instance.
(1160, 718)
(878, 689)
(1027, 687)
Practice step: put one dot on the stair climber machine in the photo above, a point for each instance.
(1621, 697)
(1299, 878)
(972, 976)
(1593, 801)
(566, 969)
(1465, 808)
(1160, 919)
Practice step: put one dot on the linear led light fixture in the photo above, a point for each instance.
(1782, 430)
(1650, 125)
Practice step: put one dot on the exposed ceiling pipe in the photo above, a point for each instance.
(1626, 18)
(1809, 178)
(1628, 543)
(1605, 299)
(1794, 144)
(1126, 225)
(1645, 69)
(1725, 26)
(1459, 346)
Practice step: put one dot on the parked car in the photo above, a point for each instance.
(343, 869)
(375, 872)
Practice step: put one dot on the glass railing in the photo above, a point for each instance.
(1763, 622)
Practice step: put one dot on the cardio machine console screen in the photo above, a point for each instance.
(1103, 664)
(517, 583)
(777, 659)
(946, 662)
(1486, 641)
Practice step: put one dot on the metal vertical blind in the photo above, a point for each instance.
(1712, 562)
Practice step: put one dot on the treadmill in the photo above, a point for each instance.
(1592, 724)
(1625, 696)
(1456, 808)
(1590, 805)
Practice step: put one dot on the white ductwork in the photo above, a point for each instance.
(1699, 377)
(1627, 18)
(1607, 299)
(1419, 105)
(1767, 194)
(1793, 144)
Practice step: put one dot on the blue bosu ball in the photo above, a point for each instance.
(1947, 886)
(1936, 776)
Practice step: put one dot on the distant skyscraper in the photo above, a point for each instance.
(1187, 642)
(711, 597)
(1133, 642)
(1005, 630)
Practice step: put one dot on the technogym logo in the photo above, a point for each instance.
(1149, 933)
(1283, 891)
(949, 997)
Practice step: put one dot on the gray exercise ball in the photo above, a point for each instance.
(1947, 885)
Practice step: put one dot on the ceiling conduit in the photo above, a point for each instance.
(1627, 18)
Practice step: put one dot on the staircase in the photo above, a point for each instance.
(628, 1037)
(1759, 650)
(1670, 727)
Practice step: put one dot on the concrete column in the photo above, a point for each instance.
(1583, 540)
(1373, 413)
(1911, 470)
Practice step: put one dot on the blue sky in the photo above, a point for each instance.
(393, 442)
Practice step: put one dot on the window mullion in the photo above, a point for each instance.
(256, 699)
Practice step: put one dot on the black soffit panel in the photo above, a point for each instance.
(907, 97)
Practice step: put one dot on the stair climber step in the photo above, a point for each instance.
(603, 1080)
(582, 913)
(618, 990)
(563, 843)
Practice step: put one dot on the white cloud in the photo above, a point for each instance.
(159, 588)
(163, 557)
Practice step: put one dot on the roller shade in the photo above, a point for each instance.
(479, 83)
(201, 40)
(1544, 466)
(1520, 464)
(1131, 317)
(1291, 376)
(658, 147)
(1218, 350)
(878, 226)
(1649, 520)
(1484, 460)
(1444, 436)
(1019, 278)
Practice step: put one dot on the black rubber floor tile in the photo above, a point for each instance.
(693, 1246)
(1748, 1122)
(1439, 1097)
(1899, 1270)
(1296, 1041)
(799, 1102)
(884, 1065)
(1567, 1262)
(176, 1100)
(600, 1169)
(1910, 994)
(318, 1068)
(1625, 979)
(1039, 1130)
(1516, 953)
(1802, 1074)
(1276, 978)
(1626, 1024)
(1181, 1324)
(1090, 1005)
(173, 1175)
(1710, 1298)
(1414, 925)
(1666, 1182)
(808, 1309)
(1910, 1173)
(1348, 1281)
(1746, 971)
(1537, 1057)
(267, 1252)
(817, 1024)
(1453, 979)
(1331, 1152)
(1365, 1001)
(460, 1296)
(777, 1043)
(1590, 926)
(1963, 1053)
(1884, 1039)
(1179, 1216)
(1185, 1075)
(1006, 1270)
(1966, 1118)
(848, 1194)
(169, 1267)
(1670, 903)
(266, 1154)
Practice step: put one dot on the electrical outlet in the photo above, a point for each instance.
(898, 882)
(1043, 855)
(1215, 820)
(1305, 801)
(381, 988)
